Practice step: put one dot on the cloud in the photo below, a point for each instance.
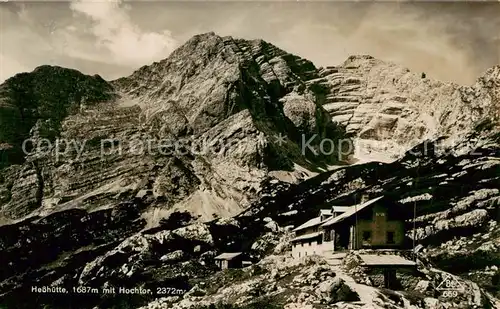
(93, 37)
(117, 35)
(15, 35)
(448, 41)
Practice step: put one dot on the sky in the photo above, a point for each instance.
(451, 41)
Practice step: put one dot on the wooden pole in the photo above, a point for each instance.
(414, 229)
(356, 226)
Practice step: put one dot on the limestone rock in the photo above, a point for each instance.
(182, 159)
(391, 109)
(173, 256)
(195, 131)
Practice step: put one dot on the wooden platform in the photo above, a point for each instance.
(385, 260)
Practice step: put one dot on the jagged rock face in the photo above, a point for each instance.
(46, 95)
(453, 196)
(195, 131)
(235, 96)
(391, 109)
(210, 78)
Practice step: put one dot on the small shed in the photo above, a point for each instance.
(389, 264)
(385, 260)
(229, 260)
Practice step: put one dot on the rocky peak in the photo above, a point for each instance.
(231, 96)
(210, 52)
(490, 81)
(213, 89)
(46, 95)
(390, 109)
(91, 213)
(355, 61)
(211, 78)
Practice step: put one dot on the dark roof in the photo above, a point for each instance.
(352, 210)
(307, 236)
(313, 222)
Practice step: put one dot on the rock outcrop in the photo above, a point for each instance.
(140, 182)
(43, 98)
(391, 109)
(203, 129)
(200, 130)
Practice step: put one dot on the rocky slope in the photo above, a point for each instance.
(47, 95)
(196, 131)
(127, 198)
(205, 127)
(457, 209)
(278, 281)
(391, 109)
(456, 200)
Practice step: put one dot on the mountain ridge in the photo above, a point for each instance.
(100, 212)
(212, 84)
(195, 97)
